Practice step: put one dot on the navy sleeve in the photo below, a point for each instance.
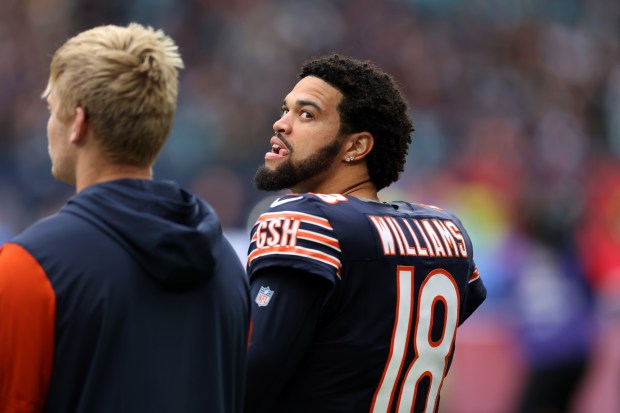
(283, 328)
(476, 294)
(297, 236)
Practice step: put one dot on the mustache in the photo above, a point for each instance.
(284, 141)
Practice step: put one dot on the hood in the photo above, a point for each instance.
(170, 232)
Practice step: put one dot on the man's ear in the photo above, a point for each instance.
(358, 146)
(79, 127)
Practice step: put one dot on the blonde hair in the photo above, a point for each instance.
(126, 80)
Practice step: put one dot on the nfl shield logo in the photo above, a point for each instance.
(263, 297)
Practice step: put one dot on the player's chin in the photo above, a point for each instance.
(275, 163)
(270, 179)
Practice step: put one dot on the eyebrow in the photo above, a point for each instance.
(302, 102)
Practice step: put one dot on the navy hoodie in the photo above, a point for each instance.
(148, 300)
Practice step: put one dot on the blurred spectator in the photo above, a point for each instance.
(554, 307)
(599, 240)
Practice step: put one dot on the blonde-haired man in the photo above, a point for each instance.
(129, 299)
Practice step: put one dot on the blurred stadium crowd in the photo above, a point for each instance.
(517, 114)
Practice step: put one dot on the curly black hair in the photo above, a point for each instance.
(371, 102)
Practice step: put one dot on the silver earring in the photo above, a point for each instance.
(350, 158)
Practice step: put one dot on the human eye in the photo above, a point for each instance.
(283, 111)
(306, 115)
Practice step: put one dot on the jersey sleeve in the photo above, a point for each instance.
(285, 312)
(27, 323)
(296, 235)
(475, 291)
(476, 294)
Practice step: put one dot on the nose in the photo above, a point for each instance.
(282, 125)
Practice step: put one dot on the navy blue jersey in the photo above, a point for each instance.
(383, 288)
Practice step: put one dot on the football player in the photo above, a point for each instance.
(356, 302)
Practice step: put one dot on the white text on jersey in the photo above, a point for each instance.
(277, 232)
(420, 237)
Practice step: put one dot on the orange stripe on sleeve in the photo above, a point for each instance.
(297, 251)
(474, 276)
(27, 322)
(300, 216)
(322, 239)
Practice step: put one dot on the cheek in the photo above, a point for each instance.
(52, 128)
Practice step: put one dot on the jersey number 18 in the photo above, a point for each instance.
(431, 356)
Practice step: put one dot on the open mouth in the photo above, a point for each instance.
(279, 150)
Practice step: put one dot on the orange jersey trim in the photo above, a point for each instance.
(297, 251)
(319, 238)
(474, 276)
(28, 313)
(300, 216)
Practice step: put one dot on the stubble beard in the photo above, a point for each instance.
(288, 174)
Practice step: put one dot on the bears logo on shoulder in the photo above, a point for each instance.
(264, 296)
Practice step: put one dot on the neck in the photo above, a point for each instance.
(111, 173)
(342, 179)
(363, 189)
